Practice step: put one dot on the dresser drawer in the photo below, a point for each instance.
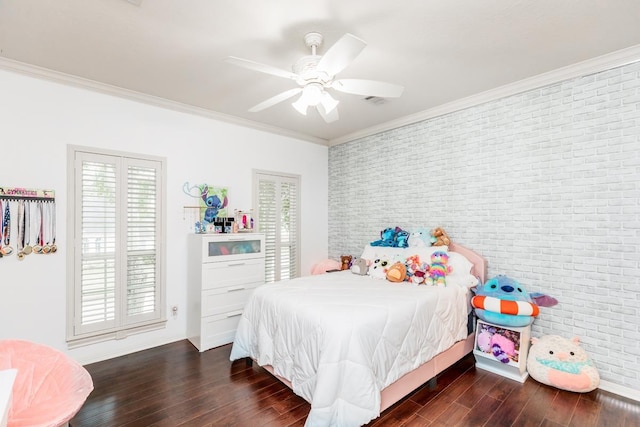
(230, 273)
(223, 300)
(219, 330)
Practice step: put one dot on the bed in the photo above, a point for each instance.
(354, 345)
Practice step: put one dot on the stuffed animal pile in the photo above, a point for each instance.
(394, 237)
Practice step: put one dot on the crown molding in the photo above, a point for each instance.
(580, 69)
(79, 82)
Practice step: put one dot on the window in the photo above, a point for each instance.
(116, 256)
(277, 197)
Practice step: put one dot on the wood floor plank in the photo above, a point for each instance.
(586, 413)
(177, 386)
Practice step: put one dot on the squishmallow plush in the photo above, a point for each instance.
(360, 266)
(379, 268)
(562, 363)
(397, 272)
(419, 238)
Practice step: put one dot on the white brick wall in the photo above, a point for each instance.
(544, 184)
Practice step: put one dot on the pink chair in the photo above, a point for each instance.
(49, 388)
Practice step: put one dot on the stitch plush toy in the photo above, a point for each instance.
(562, 363)
(387, 238)
(504, 301)
(438, 269)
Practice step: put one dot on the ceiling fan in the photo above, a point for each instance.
(316, 73)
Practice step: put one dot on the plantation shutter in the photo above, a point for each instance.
(118, 218)
(278, 218)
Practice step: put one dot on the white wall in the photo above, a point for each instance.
(545, 184)
(39, 118)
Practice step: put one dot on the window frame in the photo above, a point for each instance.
(123, 326)
(280, 177)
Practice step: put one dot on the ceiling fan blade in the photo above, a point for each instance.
(275, 99)
(263, 68)
(341, 54)
(368, 88)
(329, 117)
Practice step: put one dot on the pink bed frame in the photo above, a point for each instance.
(427, 371)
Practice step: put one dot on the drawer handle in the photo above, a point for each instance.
(237, 288)
(235, 264)
(234, 314)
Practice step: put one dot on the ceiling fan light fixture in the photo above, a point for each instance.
(301, 105)
(328, 102)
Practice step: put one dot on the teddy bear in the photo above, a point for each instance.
(439, 237)
(345, 262)
(562, 363)
(438, 269)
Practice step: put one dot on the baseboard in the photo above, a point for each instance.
(99, 357)
(620, 390)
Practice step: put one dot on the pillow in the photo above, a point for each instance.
(459, 264)
(371, 253)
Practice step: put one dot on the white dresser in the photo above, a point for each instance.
(223, 271)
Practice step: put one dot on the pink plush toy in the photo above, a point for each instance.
(562, 363)
(324, 266)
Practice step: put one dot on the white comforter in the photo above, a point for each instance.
(340, 338)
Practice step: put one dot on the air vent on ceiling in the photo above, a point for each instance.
(375, 100)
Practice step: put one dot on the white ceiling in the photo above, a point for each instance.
(439, 50)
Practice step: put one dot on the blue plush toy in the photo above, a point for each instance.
(503, 301)
(392, 237)
(420, 238)
(387, 238)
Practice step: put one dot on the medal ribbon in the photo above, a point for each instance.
(20, 225)
(6, 225)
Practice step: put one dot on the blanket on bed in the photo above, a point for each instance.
(341, 338)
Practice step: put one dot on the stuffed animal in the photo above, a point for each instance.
(379, 268)
(504, 301)
(387, 238)
(397, 273)
(498, 342)
(439, 237)
(324, 266)
(402, 238)
(360, 266)
(345, 262)
(502, 348)
(419, 238)
(392, 237)
(438, 269)
(562, 363)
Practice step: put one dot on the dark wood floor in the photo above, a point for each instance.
(175, 385)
